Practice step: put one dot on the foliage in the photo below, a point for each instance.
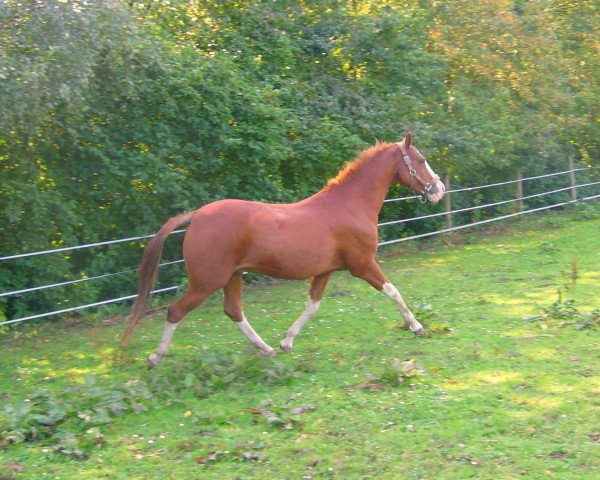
(398, 372)
(72, 420)
(283, 417)
(562, 309)
(69, 421)
(207, 374)
(567, 313)
(116, 115)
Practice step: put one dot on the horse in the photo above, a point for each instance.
(335, 229)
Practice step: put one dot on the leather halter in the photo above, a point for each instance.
(413, 174)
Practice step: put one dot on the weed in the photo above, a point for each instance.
(251, 451)
(547, 247)
(568, 314)
(430, 317)
(207, 374)
(281, 417)
(588, 211)
(588, 320)
(69, 420)
(438, 327)
(562, 309)
(552, 220)
(398, 372)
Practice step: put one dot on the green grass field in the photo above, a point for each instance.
(495, 396)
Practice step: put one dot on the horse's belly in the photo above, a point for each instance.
(293, 259)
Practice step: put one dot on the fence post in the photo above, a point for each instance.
(448, 202)
(572, 182)
(519, 191)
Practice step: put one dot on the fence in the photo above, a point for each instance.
(448, 213)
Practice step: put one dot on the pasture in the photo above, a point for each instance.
(505, 385)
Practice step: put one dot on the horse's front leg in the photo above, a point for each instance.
(373, 275)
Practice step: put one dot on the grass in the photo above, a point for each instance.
(506, 386)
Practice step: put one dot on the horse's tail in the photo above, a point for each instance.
(148, 272)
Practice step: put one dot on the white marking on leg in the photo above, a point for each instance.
(165, 343)
(255, 338)
(311, 307)
(394, 295)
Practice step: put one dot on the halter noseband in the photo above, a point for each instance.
(413, 174)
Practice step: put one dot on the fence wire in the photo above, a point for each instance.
(489, 220)
(79, 280)
(382, 224)
(489, 185)
(487, 205)
(81, 307)
(88, 245)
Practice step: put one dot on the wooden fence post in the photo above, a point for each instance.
(448, 202)
(572, 182)
(519, 204)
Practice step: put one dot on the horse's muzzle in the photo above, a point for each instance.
(436, 192)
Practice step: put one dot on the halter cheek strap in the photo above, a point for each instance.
(413, 174)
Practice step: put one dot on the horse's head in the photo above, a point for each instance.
(415, 172)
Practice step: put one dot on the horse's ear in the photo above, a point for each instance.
(407, 140)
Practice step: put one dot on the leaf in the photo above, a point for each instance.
(371, 385)
(272, 418)
(303, 409)
(15, 467)
(189, 380)
(253, 456)
(210, 457)
(254, 410)
(409, 368)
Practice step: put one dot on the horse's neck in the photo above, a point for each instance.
(366, 189)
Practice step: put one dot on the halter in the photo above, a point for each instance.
(413, 174)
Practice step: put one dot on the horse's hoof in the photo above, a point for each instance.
(285, 347)
(420, 331)
(152, 361)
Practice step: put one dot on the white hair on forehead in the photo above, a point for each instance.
(429, 169)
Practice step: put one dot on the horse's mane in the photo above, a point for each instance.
(352, 167)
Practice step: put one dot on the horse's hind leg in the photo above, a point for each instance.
(317, 288)
(177, 310)
(233, 309)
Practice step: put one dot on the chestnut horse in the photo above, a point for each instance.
(335, 229)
